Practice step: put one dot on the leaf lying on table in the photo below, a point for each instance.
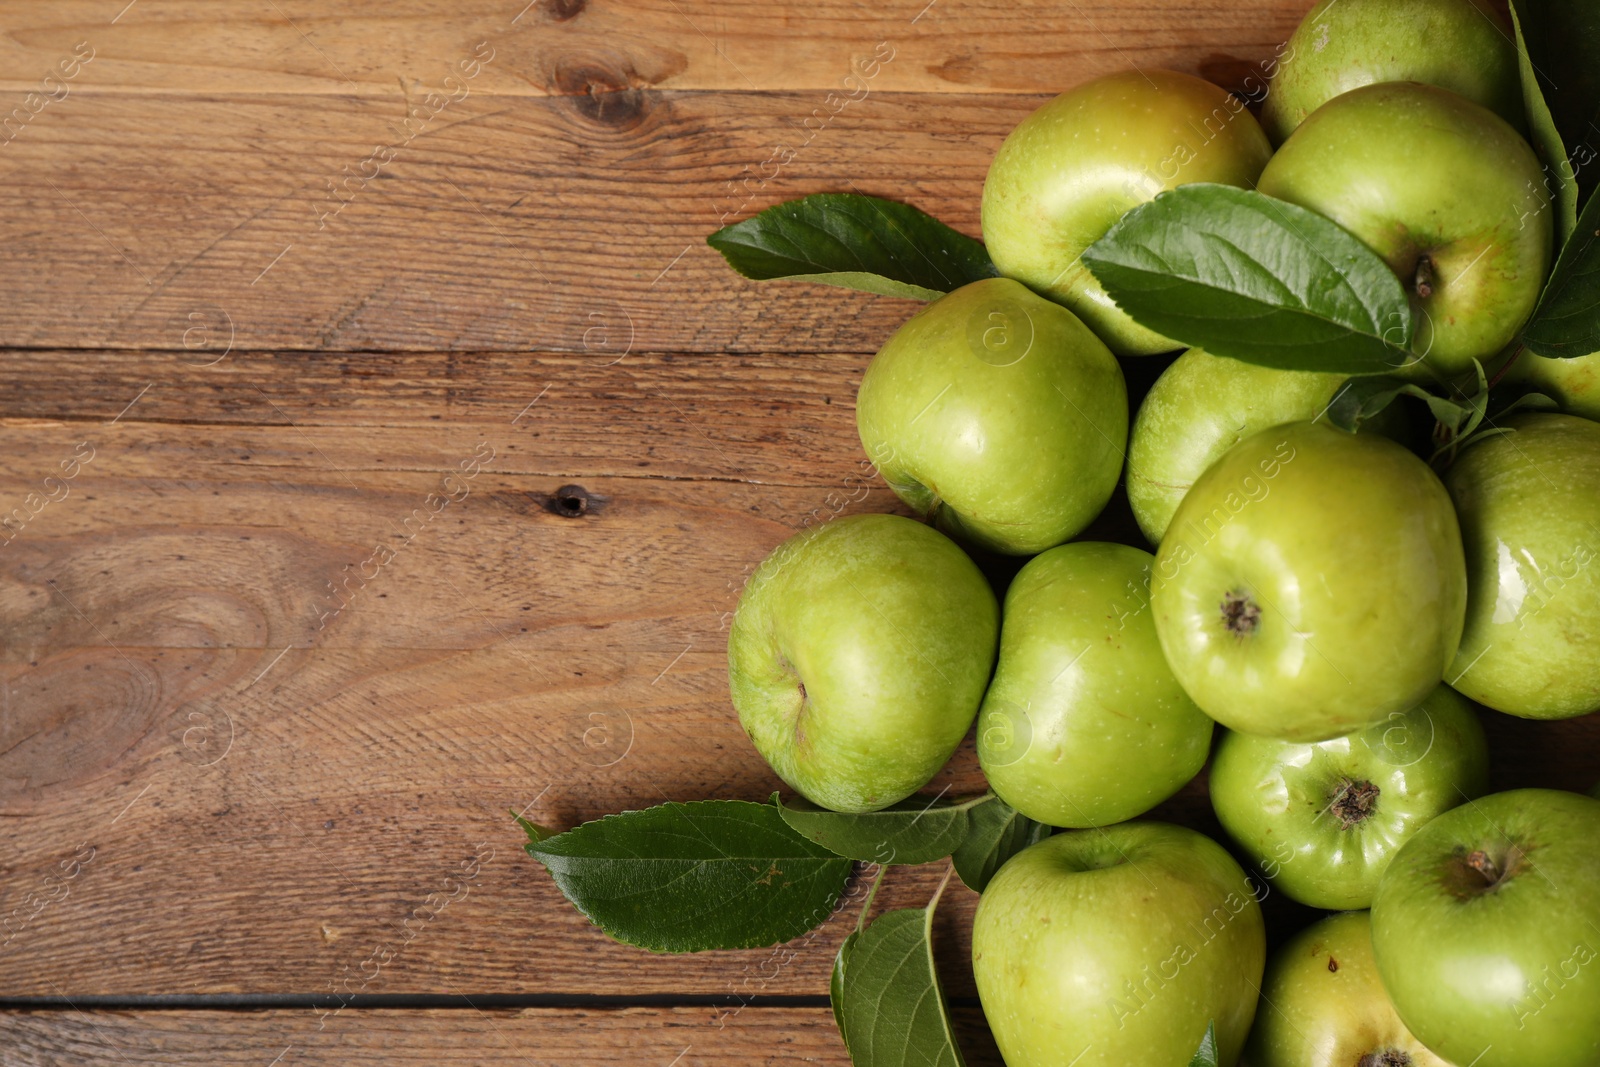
(689, 877)
(981, 832)
(997, 833)
(918, 830)
(857, 242)
(886, 994)
(1261, 280)
(1206, 1054)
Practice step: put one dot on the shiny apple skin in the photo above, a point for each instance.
(858, 656)
(1347, 547)
(1279, 800)
(1466, 192)
(1529, 503)
(1573, 382)
(1507, 976)
(1201, 406)
(1084, 724)
(998, 415)
(1461, 45)
(1118, 946)
(1079, 163)
(1323, 1004)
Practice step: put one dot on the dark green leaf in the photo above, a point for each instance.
(836, 985)
(1567, 320)
(894, 1013)
(1563, 39)
(997, 832)
(688, 877)
(918, 830)
(1547, 139)
(1206, 1054)
(1243, 275)
(534, 831)
(854, 241)
(1362, 399)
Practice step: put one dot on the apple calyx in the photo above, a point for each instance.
(1478, 871)
(1354, 802)
(1240, 614)
(1388, 1057)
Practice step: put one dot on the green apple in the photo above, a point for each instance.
(1486, 929)
(1571, 381)
(999, 415)
(1103, 948)
(1323, 1005)
(1446, 192)
(857, 658)
(1311, 583)
(1461, 45)
(1323, 820)
(1529, 502)
(1084, 725)
(1079, 163)
(1201, 406)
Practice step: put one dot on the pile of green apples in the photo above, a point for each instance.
(1339, 608)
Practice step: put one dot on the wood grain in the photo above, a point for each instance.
(567, 47)
(276, 779)
(680, 1037)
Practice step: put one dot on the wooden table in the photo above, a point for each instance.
(418, 448)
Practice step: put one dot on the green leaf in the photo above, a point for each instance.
(998, 832)
(917, 830)
(689, 877)
(836, 985)
(534, 831)
(1567, 320)
(857, 242)
(1562, 39)
(893, 1011)
(1206, 1054)
(1547, 139)
(1361, 399)
(1243, 275)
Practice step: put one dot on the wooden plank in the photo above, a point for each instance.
(283, 783)
(565, 47)
(194, 223)
(653, 1037)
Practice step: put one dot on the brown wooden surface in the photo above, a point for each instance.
(212, 782)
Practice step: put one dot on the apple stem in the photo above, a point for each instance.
(1501, 373)
(1422, 282)
(1485, 865)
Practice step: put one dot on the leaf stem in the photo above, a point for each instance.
(866, 906)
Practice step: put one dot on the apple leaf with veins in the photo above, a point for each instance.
(856, 242)
(1257, 279)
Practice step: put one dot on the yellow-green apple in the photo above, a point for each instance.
(1446, 192)
(1311, 583)
(1461, 45)
(1529, 503)
(1117, 946)
(1323, 820)
(1323, 1004)
(858, 655)
(1203, 405)
(1486, 929)
(999, 415)
(1573, 382)
(1084, 725)
(1079, 163)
